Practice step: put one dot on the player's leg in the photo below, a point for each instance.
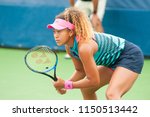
(123, 77)
(105, 75)
(121, 81)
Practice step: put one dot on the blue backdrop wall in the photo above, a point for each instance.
(23, 22)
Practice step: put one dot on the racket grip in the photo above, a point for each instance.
(68, 84)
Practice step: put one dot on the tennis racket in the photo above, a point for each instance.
(41, 59)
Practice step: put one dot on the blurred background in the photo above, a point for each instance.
(23, 22)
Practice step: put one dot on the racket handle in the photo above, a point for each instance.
(55, 79)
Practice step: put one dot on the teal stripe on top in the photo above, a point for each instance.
(109, 49)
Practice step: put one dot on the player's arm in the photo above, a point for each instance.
(79, 72)
(86, 67)
(92, 75)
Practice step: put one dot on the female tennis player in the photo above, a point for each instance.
(99, 58)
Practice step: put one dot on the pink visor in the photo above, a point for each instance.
(60, 24)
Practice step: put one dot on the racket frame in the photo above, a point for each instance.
(45, 72)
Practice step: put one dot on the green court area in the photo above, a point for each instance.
(17, 82)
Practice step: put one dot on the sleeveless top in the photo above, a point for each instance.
(109, 49)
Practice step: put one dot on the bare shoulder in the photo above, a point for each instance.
(87, 48)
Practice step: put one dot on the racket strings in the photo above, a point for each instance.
(41, 59)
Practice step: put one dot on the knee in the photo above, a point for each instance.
(112, 95)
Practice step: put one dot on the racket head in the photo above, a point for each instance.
(41, 59)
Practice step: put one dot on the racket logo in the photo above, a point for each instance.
(40, 59)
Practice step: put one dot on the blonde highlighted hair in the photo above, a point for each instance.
(83, 27)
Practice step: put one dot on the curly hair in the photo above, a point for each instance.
(83, 27)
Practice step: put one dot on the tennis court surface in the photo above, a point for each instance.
(17, 82)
